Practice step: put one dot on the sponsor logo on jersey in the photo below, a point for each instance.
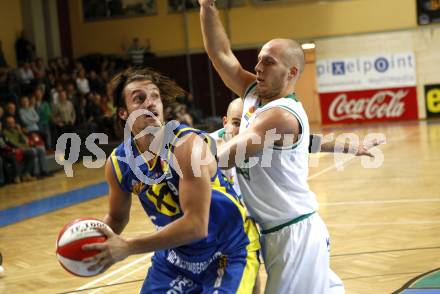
(162, 198)
(249, 113)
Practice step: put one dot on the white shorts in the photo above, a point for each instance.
(297, 259)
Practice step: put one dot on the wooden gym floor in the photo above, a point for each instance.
(384, 222)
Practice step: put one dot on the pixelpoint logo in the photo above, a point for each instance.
(338, 68)
(365, 65)
(381, 64)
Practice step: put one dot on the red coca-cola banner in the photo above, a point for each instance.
(369, 105)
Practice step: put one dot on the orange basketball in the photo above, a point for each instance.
(70, 241)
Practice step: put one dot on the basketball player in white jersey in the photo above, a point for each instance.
(295, 239)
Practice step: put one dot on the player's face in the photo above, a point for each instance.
(271, 72)
(143, 95)
(232, 122)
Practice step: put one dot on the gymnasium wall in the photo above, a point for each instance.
(10, 27)
(250, 25)
(423, 41)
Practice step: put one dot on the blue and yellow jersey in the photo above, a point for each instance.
(228, 228)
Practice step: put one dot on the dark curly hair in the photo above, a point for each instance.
(168, 88)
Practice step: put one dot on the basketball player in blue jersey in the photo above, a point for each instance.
(205, 243)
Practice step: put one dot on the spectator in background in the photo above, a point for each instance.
(63, 115)
(108, 115)
(188, 101)
(93, 112)
(15, 138)
(8, 162)
(53, 68)
(26, 77)
(11, 110)
(55, 93)
(50, 81)
(24, 49)
(96, 84)
(60, 65)
(72, 96)
(105, 77)
(182, 115)
(67, 64)
(3, 62)
(28, 115)
(136, 53)
(82, 84)
(45, 113)
(39, 69)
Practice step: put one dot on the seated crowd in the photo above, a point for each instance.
(39, 102)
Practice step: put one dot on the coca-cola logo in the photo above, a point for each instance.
(383, 104)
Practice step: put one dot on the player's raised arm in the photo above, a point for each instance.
(219, 50)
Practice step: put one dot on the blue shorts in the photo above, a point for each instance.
(170, 273)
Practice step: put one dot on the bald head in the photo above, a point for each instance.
(291, 52)
(235, 108)
(231, 122)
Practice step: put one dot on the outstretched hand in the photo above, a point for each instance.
(114, 249)
(364, 150)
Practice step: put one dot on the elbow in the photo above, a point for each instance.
(200, 229)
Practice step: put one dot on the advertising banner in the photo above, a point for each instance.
(369, 105)
(371, 88)
(432, 96)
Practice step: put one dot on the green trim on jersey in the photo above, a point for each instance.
(292, 96)
(291, 222)
(221, 133)
(248, 90)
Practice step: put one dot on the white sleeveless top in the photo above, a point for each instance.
(230, 174)
(276, 191)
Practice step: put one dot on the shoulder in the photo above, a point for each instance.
(278, 118)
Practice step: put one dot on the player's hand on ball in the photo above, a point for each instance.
(113, 250)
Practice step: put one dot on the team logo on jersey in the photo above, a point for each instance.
(248, 114)
(425, 283)
(137, 187)
(162, 198)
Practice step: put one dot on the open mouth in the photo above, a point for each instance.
(152, 114)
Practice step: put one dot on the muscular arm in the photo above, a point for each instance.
(119, 202)
(275, 120)
(194, 198)
(316, 145)
(195, 201)
(218, 47)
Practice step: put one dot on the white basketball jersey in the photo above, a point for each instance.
(276, 191)
(230, 174)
